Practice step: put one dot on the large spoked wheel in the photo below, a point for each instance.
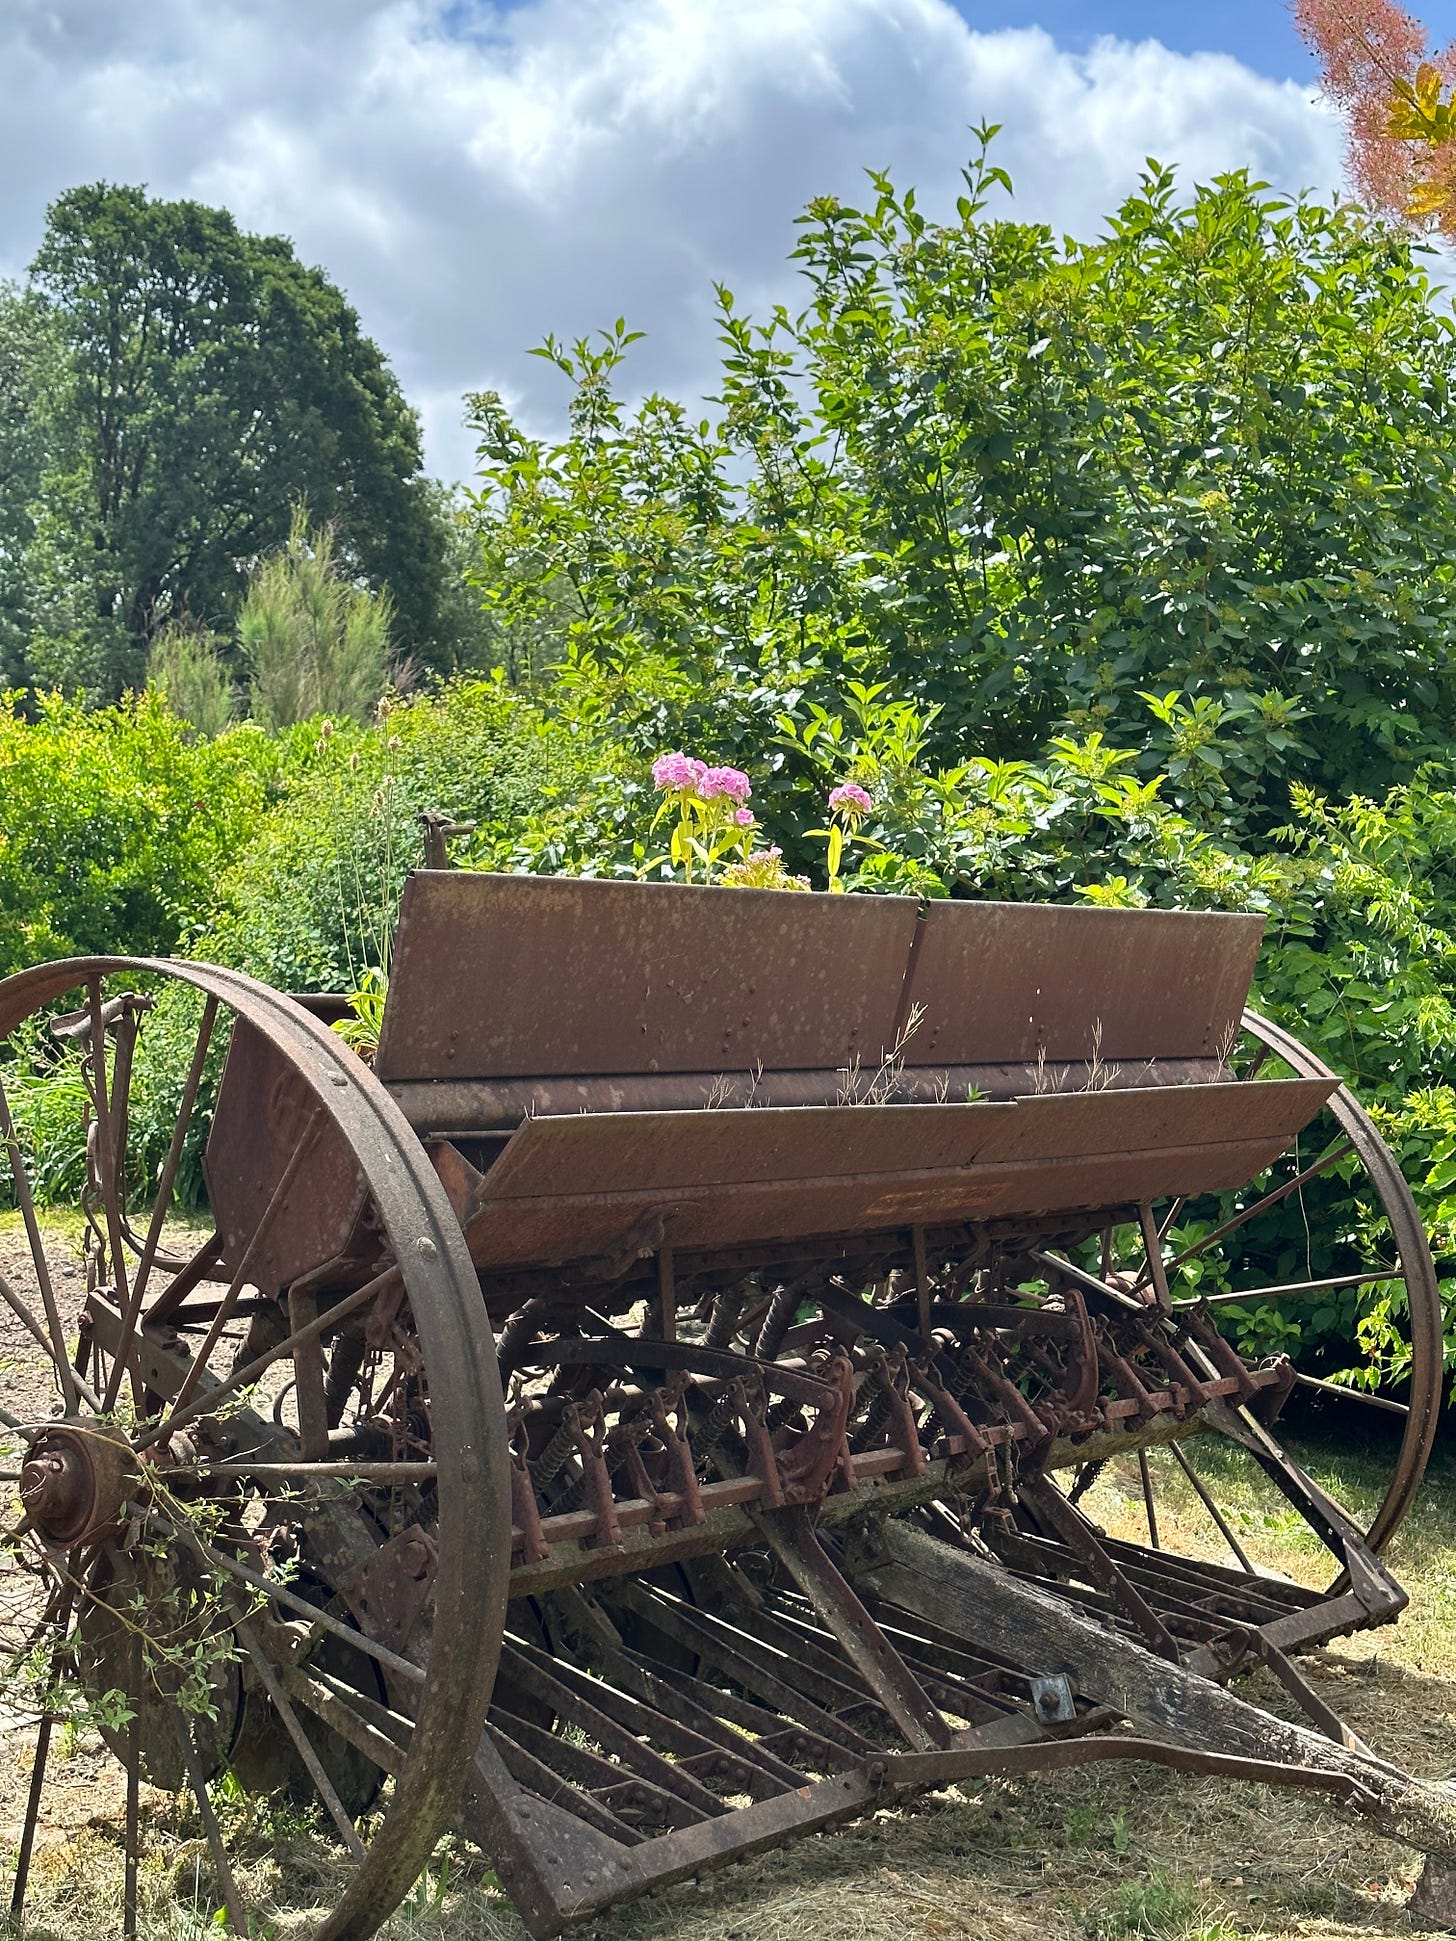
(1324, 1260)
(261, 1527)
(1384, 1230)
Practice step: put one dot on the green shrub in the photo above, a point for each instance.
(312, 902)
(186, 665)
(314, 642)
(115, 824)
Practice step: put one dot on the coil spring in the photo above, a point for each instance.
(716, 1424)
(781, 1311)
(1086, 1476)
(875, 1420)
(547, 1466)
(727, 1312)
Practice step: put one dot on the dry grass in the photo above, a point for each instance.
(1106, 1854)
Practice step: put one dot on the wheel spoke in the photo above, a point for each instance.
(237, 1911)
(1326, 1159)
(163, 1202)
(342, 1712)
(1352, 1394)
(56, 1346)
(1145, 1476)
(1257, 1064)
(133, 1799)
(361, 1640)
(106, 1144)
(64, 1366)
(32, 1815)
(37, 1776)
(1288, 1289)
(1220, 1521)
(254, 1370)
(294, 1728)
(276, 1203)
(1170, 1217)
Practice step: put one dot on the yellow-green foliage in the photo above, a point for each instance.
(116, 824)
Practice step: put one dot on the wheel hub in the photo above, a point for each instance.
(76, 1480)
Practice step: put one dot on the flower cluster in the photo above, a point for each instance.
(850, 800)
(712, 819)
(729, 782)
(678, 771)
(714, 827)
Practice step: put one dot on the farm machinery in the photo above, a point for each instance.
(651, 1414)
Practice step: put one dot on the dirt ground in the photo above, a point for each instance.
(1105, 1855)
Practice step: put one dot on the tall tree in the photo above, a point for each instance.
(29, 356)
(1202, 466)
(211, 383)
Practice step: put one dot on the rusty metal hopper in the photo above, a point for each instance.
(568, 1189)
(1098, 1034)
(513, 995)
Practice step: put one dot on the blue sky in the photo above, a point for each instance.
(1258, 32)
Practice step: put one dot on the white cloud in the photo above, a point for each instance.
(475, 177)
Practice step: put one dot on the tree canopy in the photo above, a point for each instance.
(188, 385)
(1187, 485)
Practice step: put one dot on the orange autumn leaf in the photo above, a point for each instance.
(1398, 102)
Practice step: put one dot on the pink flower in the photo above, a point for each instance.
(678, 771)
(765, 855)
(850, 800)
(744, 818)
(731, 782)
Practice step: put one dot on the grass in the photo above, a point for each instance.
(1101, 1855)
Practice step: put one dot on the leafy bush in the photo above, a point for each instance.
(280, 855)
(313, 641)
(312, 902)
(115, 825)
(1028, 482)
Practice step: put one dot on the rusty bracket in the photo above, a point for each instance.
(808, 1463)
(956, 1422)
(668, 1408)
(762, 1456)
(587, 1422)
(525, 1512)
(437, 829)
(892, 1372)
(390, 1590)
